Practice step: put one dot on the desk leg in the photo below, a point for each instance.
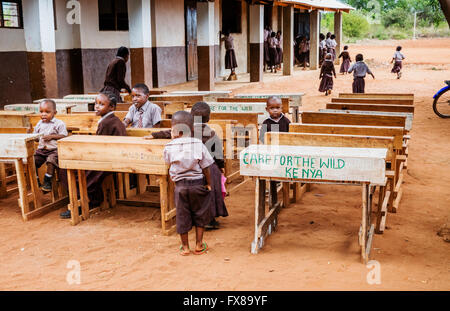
(84, 200)
(73, 197)
(366, 234)
(36, 192)
(21, 181)
(260, 209)
(3, 192)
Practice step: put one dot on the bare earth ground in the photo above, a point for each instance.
(123, 249)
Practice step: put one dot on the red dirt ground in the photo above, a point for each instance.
(123, 249)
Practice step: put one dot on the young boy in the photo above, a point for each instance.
(346, 60)
(142, 114)
(201, 113)
(276, 122)
(52, 130)
(326, 74)
(359, 69)
(110, 125)
(397, 60)
(189, 168)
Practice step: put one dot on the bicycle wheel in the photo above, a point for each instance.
(441, 104)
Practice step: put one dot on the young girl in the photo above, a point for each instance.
(333, 45)
(304, 51)
(230, 56)
(279, 49)
(346, 60)
(322, 49)
(273, 55)
(326, 74)
(359, 69)
(397, 60)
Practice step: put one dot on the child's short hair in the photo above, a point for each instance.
(346, 47)
(359, 58)
(272, 98)
(123, 51)
(321, 36)
(328, 34)
(183, 121)
(201, 109)
(51, 101)
(333, 37)
(328, 56)
(273, 34)
(143, 87)
(399, 48)
(112, 98)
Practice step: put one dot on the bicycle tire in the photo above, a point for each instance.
(436, 111)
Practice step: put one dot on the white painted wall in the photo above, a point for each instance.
(139, 15)
(12, 40)
(38, 25)
(67, 35)
(91, 37)
(205, 24)
(169, 23)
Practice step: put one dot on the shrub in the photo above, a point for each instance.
(355, 25)
(397, 17)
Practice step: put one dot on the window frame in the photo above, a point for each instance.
(20, 14)
(114, 9)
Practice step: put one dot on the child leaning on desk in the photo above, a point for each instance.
(189, 169)
(52, 130)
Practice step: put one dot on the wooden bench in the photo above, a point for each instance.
(19, 149)
(304, 164)
(14, 119)
(378, 95)
(135, 155)
(207, 95)
(187, 99)
(379, 101)
(371, 107)
(352, 119)
(284, 101)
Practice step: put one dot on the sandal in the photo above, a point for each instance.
(203, 251)
(182, 251)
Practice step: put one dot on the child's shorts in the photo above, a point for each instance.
(42, 156)
(192, 201)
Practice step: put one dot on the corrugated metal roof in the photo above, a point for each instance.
(320, 4)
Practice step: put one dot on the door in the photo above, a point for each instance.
(191, 39)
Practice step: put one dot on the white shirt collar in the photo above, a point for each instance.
(277, 120)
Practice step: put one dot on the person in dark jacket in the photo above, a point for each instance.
(115, 74)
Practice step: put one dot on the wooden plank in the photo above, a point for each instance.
(407, 96)
(177, 98)
(382, 213)
(73, 198)
(373, 101)
(21, 181)
(396, 132)
(13, 130)
(409, 116)
(260, 201)
(17, 145)
(3, 183)
(34, 108)
(364, 223)
(163, 196)
(286, 200)
(371, 107)
(315, 163)
(252, 103)
(14, 119)
(347, 119)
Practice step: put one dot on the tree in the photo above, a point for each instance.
(445, 6)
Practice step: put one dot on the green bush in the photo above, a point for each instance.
(355, 25)
(397, 17)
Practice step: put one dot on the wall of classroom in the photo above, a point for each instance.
(14, 78)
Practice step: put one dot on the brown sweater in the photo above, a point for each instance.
(327, 69)
(111, 126)
(115, 75)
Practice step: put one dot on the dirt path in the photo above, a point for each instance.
(315, 246)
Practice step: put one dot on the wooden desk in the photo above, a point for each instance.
(379, 101)
(81, 105)
(207, 95)
(352, 119)
(19, 149)
(371, 107)
(79, 153)
(378, 95)
(346, 166)
(34, 108)
(14, 119)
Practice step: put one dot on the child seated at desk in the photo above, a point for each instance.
(52, 130)
(201, 113)
(189, 169)
(142, 114)
(110, 125)
(277, 121)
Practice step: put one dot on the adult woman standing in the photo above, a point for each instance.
(115, 74)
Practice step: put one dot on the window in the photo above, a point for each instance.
(232, 16)
(11, 14)
(113, 14)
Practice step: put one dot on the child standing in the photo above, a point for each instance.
(189, 169)
(230, 56)
(304, 51)
(326, 74)
(346, 60)
(322, 49)
(359, 69)
(279, 49)
(201, 114)
(52, 130)
(272, 41)
(142, 114)
(333, 45)
(397, 61)
(110, 125)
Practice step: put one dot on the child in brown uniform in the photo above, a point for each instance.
(189, 169)
(230, 56)
(201, 113)
(52, 130)
(115, 74)
(326, 74)
(346, 60)
(110, 125)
